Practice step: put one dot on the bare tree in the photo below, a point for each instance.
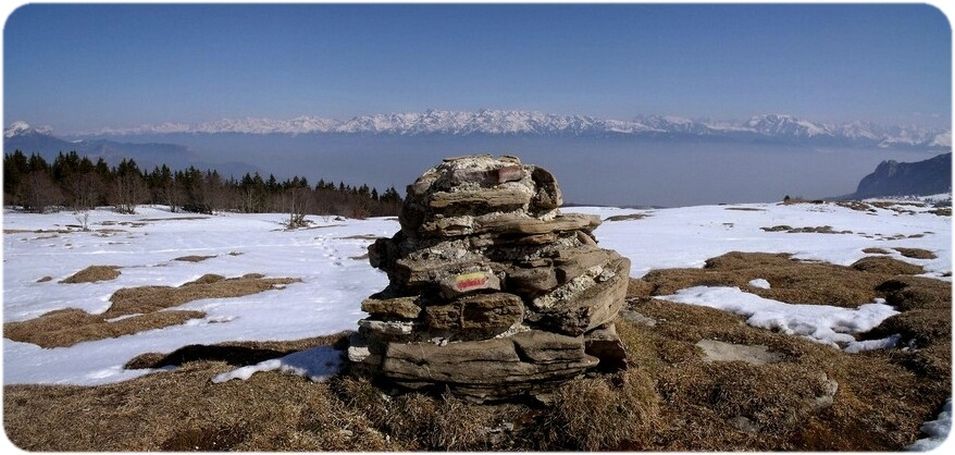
(360, 209)
(85, 189)
(296, 202)
(172, 195)
(38, 192)
(84, 220)
(129, 190)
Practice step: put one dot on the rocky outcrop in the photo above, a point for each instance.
(493, 293)
(891, 178)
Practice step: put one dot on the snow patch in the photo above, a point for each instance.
(936, 431)
(759, 283)
(821, 323)
(888, 342)
(125, 316)
(317, 364)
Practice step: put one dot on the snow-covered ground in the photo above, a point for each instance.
(687, 236)
(830, 325)
(326, 301)
(328, 258)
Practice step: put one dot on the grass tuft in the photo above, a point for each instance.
(93, 274)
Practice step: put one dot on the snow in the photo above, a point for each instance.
(511, 122)
(20, 127)
(759, 283)
(936, 431)
(317, 364)
(16, 128)
(872, 345)
(334, 282)
(326, 301)
(687, 236)
(821, 323)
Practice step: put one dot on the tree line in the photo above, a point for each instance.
(77, 183)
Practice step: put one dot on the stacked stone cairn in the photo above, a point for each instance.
(493, 293)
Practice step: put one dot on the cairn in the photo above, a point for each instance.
(493, 293)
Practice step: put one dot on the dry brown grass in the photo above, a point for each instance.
(361, 237)
(44, 279)
(93, 274)
(886, 265)
(916, 253)
(882, 398)
(671, 400)
(183, 410)
(856, 205)
(147, 299)
(70, 326)
(804, 230)
(632, 216)
(791, 280)
(875, 251)
(193, 258)
(799, 200)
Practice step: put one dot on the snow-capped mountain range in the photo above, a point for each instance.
(21, 128)
(769, 127)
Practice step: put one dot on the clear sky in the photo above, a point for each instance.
(86, 67)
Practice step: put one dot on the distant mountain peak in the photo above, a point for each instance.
(773, 127)
(20, 127)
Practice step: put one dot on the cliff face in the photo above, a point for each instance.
(892, 178)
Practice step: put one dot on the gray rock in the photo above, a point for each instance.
(719, 351)
(528, 225)
(829, 388)
(637, 318)
(395, 307)
(604, 344)
(531, 281)
(548, 193)
(479, 315)
(490, 369)
(586, 302)
(744, 424)
(572, 263)
(513, 196)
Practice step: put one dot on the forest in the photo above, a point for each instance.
(74, 182)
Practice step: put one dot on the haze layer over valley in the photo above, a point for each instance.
(645, 161)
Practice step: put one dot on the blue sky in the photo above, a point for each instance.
(85, 67)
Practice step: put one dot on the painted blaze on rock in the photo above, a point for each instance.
(493, 293)
(470, 281)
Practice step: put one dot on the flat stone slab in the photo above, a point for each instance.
(720, 351)
(397, 307)
(483, 315)
(508, 195)
(527, 357)
(586, 302)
